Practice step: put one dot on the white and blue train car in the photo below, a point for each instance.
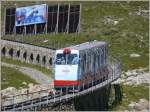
(80, 64)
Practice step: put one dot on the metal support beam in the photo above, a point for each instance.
(79, 24)
(25, 30)
(56, 28)
(47, 98)
(73, 90)
(14, 29)
(83, 86)
(68, 18)
(46, 27)
(47, 19)
(4, 22)
(54, 96)
(35, 27)
(15, 21)
(60, 93)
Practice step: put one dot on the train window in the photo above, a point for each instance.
(84, 63)
(99, 58)
(94, 62)
(62, 59)
(72, 59)
(81, 64)
(102, 56)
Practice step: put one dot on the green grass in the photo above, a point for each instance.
(13, 78)
(123, 38)
(24, 64)
(132, 93)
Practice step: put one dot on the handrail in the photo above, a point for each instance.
(114, 73)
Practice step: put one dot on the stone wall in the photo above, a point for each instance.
(27, 53)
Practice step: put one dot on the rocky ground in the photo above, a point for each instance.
(134, 77)
(141, 105)
(24, 94)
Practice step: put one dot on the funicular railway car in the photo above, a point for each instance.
(82, 64)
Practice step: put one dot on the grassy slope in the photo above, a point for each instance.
(14, 78)
(123, 38)
(18, 62)
(132, 93)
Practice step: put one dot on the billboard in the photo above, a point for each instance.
(31, 15)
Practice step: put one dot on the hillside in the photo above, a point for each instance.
(9, 78)
(124, 25)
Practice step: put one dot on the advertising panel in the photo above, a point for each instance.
(31, 15)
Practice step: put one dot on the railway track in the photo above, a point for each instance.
(51, 99)
(55, 98)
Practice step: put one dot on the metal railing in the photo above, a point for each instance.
(35, 99)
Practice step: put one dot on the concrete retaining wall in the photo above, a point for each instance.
(28, 53)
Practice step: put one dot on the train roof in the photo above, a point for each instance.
(88, 45)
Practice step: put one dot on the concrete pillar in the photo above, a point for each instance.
(15, 53)
(21, 55)
(18, 51)
(48, 59)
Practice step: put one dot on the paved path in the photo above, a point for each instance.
(37, 75)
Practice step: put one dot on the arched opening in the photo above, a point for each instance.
(50, 61)
(38, 58)
(44, 60)
(25, 55)
(31, 57)
(11, 51)
(18, 53)
(3, 51)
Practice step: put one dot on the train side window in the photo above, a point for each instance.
(98, 57)
(103, 56)
(84, 62)
(89, 62)
(94, 64)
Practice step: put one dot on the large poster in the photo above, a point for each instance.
(31, 15)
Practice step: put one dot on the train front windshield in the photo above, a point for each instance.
(66, 59)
